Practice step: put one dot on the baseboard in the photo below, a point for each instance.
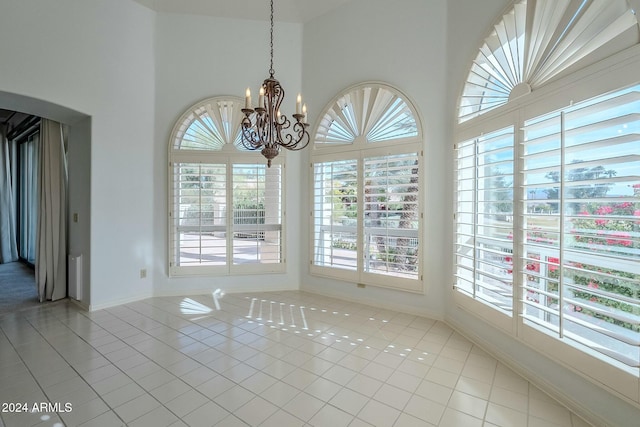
(376, 303)
(191, 292)
(115, 303)
(80, 304)
(177, 293)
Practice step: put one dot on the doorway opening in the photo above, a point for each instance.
(23, 158)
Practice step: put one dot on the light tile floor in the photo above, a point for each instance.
(271, 359)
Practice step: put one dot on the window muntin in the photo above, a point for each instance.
(484, 219)
(225, 204)
(366, 199)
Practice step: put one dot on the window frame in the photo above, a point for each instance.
(358, 150)
(229, 155)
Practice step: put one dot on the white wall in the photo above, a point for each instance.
(95, 57)
(402, 44)
(199, 57)
(79, 194)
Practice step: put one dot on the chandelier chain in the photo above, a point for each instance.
(271, 70)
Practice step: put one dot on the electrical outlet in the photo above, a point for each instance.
(75, 217)
(143, 273)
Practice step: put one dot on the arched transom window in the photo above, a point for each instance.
(538, 41)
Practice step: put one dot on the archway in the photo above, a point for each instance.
(79, 178)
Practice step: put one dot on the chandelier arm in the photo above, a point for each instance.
(301, 137)
(249, 137)
(246, 132)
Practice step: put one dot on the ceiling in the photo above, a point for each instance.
(298, 11)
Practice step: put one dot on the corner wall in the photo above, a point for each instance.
(95, 57)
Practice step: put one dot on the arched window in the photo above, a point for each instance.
(225, 204)
(370, 112)
(547, 244)
(366, 195)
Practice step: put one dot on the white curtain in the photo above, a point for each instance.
(28, 195)
(8, 246)
(51, 271)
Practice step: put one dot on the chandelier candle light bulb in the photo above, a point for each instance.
(264, 128)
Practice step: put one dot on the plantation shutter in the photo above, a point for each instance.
(335, 211)
(582, 224)
(484, 219)
(372, 111)
(257, 214)
(391, 215)
(538, 41)
(199, 214)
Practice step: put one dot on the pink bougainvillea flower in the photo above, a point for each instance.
(620, 238)
(604, 210)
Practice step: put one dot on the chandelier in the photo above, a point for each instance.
(263, 128)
